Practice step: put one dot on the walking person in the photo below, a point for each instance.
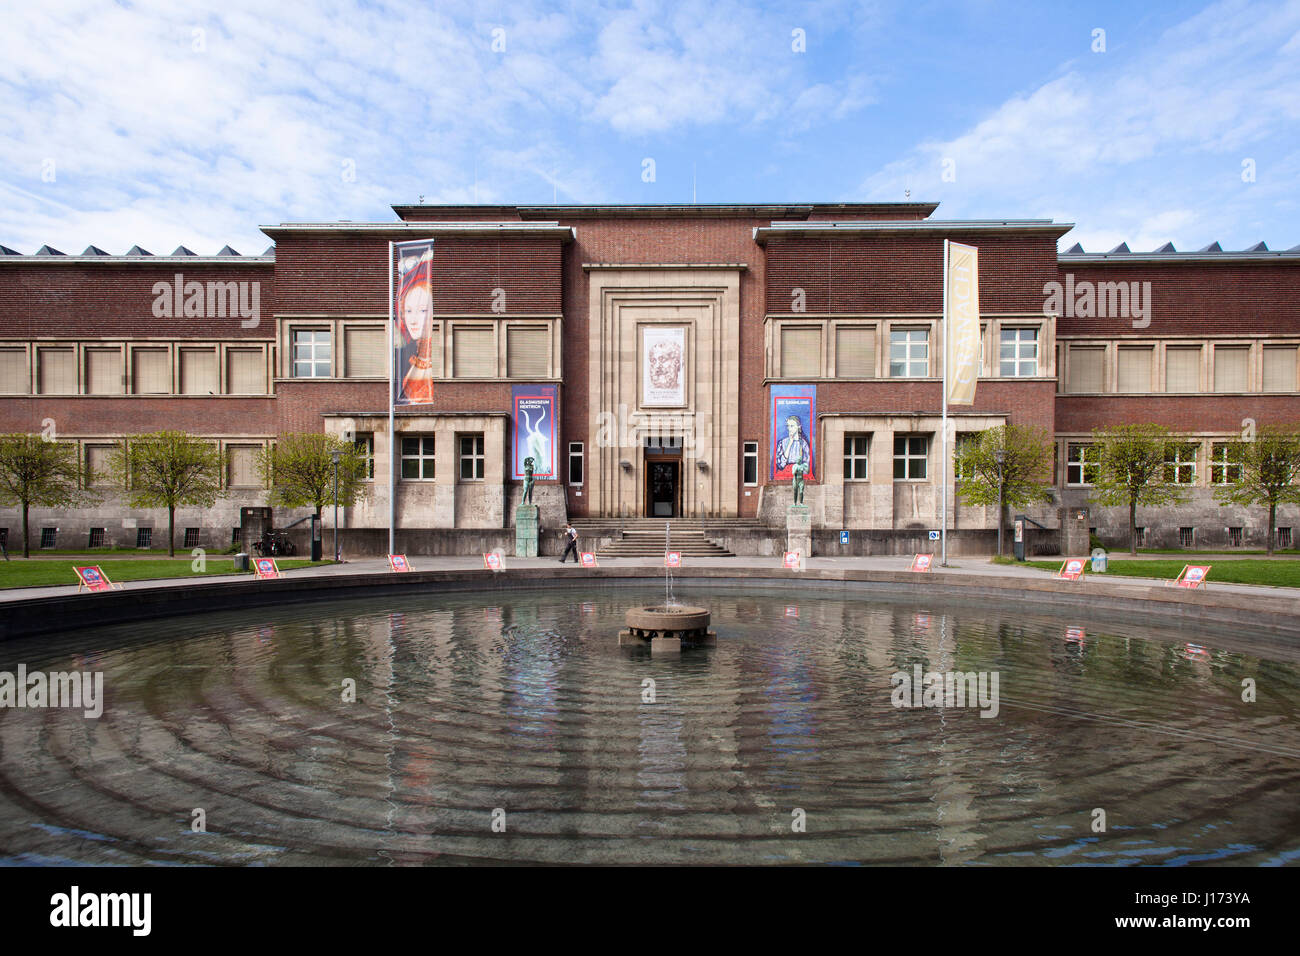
(571, 533)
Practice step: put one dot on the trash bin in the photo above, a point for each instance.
(241, 561)
(1098, 561)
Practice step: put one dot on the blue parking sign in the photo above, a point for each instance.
(844, 537)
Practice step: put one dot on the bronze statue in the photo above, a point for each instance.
(528, 481)
(798, 471)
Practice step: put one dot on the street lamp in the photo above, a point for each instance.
(1000, 456)
(336, 455)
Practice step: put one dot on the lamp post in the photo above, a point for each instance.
(335, 455)
(1000, 456)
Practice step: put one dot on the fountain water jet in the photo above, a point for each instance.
(667, 626)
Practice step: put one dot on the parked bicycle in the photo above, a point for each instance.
(274, 544)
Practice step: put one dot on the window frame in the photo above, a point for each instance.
(1221, 465)
(1177, 463)
(1017, 345)
(577, 450)
(1087, 465)
(476, 457)
(422, 456)
(907, 457)
(748, 453)
(852, 457)
(314, 361)
(908, 343)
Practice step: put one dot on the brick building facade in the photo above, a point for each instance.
(844, 300)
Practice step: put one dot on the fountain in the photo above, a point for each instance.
(668, 625)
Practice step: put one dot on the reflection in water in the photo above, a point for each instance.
(528, 706)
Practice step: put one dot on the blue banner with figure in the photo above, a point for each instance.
(535, 411)
(791, 430)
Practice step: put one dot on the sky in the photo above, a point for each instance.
(165, 123)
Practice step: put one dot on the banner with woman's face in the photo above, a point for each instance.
(793, 415)
(413, 326)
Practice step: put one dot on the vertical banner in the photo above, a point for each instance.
(961, 324)
(663, 366)
(412, 380)
(535, 416)
(791, 430)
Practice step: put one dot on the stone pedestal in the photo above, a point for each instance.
(526, 531)
(1075, 540)
(798, 529)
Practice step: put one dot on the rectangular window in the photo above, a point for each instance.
(144, 537)
(104, 372)
(801, 352)
(366, 351)
(418, 462)
(311, 353)
(1085, 368)
(1283, 537)
(1183, 369)
(910, 453)
(1279, 368)
(97, 537)
(1180, 464)
(1234, 537)
(246, 372)
(909, 353)
(855, 351)
(365, 442)
(1134, 370)
(236, 537)
(575, 462)
(855, 457)
(528, 352)
(959, 473)
(751, 463)
(1186, 537)
(471, 457)
(56, 371)
(474, 352)
(97, 458)
(1019, 353)
(151, 372)
(47, 537)
(1230, 368)
(1140, 534)
(1080, 464)
(241, 466)
(199, 372)
(14, 379)
(191, 537)
(1223, 469)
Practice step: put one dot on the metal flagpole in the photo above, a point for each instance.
(943, 462)
(393, 436)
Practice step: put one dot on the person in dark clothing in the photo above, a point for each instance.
(571, 533)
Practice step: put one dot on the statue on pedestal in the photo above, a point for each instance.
(528, 481)
(798, 471)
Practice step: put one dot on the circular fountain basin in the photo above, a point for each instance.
(666, 626)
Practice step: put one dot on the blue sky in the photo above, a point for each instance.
(164, 123)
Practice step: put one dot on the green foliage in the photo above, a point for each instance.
(1268, 470)
(1024, 476)
(300, 470)
(169, 470)
(43, 473)
(1131, 466)
(1131, 470)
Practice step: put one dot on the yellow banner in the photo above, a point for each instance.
(961, 325)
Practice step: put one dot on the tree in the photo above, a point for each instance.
(1023, 476)
(1266, 471)
(34, 471)
(167, 470)
(1131, 470)
(300, 470)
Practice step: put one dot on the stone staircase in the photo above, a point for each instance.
(644, 537)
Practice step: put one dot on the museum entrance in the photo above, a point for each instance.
(663, 476)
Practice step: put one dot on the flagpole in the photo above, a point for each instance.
(943, 462)
(393, 436)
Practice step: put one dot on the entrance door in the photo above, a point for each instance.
(663, 481)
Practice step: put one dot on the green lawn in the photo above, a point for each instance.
(43, 573)
(1283, 574)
